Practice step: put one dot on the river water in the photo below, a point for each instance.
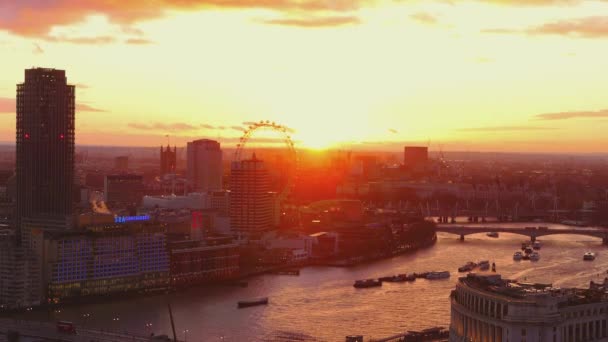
(323, 304)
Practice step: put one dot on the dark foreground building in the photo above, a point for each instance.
(45, 148)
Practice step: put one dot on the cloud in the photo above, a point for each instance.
(37, 49)
(238, 128)
(176, 126)
(35, 18)
(573, 115)
(139, 41)
(80, 40)
(504, 129)
(312, 22)
(424, 18)
(588, 27)
(82, 86)
(392, 130)
(86, 108)
(207, 126)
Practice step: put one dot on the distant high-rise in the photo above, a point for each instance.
(45, 147)
(168, 160)
(251, 202)
(123, 190)
(205, 165)
(415, 156)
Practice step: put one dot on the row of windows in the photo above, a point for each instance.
(587, 331)
(481, 305)
(585, 313)
(474, 330)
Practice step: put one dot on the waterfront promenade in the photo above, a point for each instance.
(34, 330)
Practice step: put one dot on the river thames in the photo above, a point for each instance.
(322, 303)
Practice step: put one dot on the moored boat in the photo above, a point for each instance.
(469, 266)
(421, 275)
(492, 234)
(438, 275)
(387, 279)
(484, 265)
(361, 284)
(528, 250)
(534, 256)
(517, 256)
(536, 245)
(394, 279)
(254, 302)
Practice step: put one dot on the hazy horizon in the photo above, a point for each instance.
(484, 75)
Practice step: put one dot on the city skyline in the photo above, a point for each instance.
(497, 75)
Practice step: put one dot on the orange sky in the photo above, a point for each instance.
(502, 75)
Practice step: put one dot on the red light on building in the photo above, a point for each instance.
(27, 135)
(61, 136)
(197, 220)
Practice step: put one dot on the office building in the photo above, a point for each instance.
(45, 147)
(123, 190)
(168, 160)
(415, 156)
(128, 256)
(486, 307)
(194, 262)
(251, 202)
(204, 165)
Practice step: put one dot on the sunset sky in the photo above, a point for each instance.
(493, 75)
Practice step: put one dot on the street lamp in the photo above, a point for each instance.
(86, 318)
(149, 327)
(186, 335)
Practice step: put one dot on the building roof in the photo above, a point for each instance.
(513, 290)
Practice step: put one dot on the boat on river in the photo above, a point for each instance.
(438, 275)
(255, 302)
(394, 279)
(534, 256)
(589, 256)
(492, 234)
(484, 265)
(362, 284)
(469, 266)
(517, 256)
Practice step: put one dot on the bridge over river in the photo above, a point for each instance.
(531, 231)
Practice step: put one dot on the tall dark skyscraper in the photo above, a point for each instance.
(168, 160)
(45, 148)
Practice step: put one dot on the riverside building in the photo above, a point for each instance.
(486, 307)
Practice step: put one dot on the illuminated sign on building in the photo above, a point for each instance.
(125, 219)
